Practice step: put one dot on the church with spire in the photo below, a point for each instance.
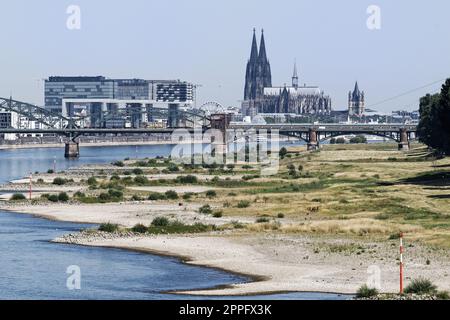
(356, 102)
(261, 97)
(258, 75)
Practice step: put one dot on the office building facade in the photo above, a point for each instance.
(163, 92)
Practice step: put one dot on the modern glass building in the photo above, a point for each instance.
(160, 91)
(59, 88)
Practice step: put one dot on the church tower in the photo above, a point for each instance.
(295, 77)
(250, 75)
(258, 74)
(264, 74)
(356, 102)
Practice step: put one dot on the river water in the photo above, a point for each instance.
(31, 267)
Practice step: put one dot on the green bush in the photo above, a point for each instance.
(160, 222)
(139, 228)
(141, 180)
(108, 227)
(50, 171)
(113, 193)
(358, 139)
(137, 171)
(156, 196)
(92, 181)
(79, 194)
(63, 197)
(366, 292)
(218, 214)
(59, 181)
(421, 286)
(171, 195)
(211, 194)
(206, 209)
(187, 179)
(173, 168)
(118, 164)
(188, 195)
(104, 197)
(243, 204)
(283, 152)
(136, 197)
(443, 295)
(40, 181)
(115, 177)
(262, 220)
(53, 198)
(280, 215)
(18, 197)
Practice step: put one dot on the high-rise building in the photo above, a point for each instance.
(58, 89)
(356, 102)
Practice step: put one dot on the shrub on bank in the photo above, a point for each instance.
(211, 194)
(141, 180)
(18, 197)
(190, 179)
(63, 197)
(109, 227)
(137, 171)
(366, 292)
(53, 198)
(59, 181)
(421, 286)
(218, 214)
(243, 204)
(188, 195)
(92, 181)
(206, 209)
(160, 222)
(139, 228)
(118, 164)
(171, 195)
(156, 196)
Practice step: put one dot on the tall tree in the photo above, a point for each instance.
(434, 126)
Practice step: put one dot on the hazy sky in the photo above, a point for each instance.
(208, 42)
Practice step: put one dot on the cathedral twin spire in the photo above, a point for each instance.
(258, 75)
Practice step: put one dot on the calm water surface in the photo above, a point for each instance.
(33, 268)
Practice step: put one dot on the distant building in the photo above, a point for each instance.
(9, 120)
(58, 89)
(261, 97)
(356, 102)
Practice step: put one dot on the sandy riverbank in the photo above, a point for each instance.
(279, 262)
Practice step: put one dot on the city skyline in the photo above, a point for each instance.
(334, 47)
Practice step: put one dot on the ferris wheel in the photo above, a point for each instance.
(212, 107)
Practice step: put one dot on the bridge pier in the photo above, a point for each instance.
(404, 141)
(220, 122)
(313, 143)
(72, 150)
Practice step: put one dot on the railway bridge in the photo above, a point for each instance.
(48, 123)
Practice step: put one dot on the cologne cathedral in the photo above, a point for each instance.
(261, 97)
